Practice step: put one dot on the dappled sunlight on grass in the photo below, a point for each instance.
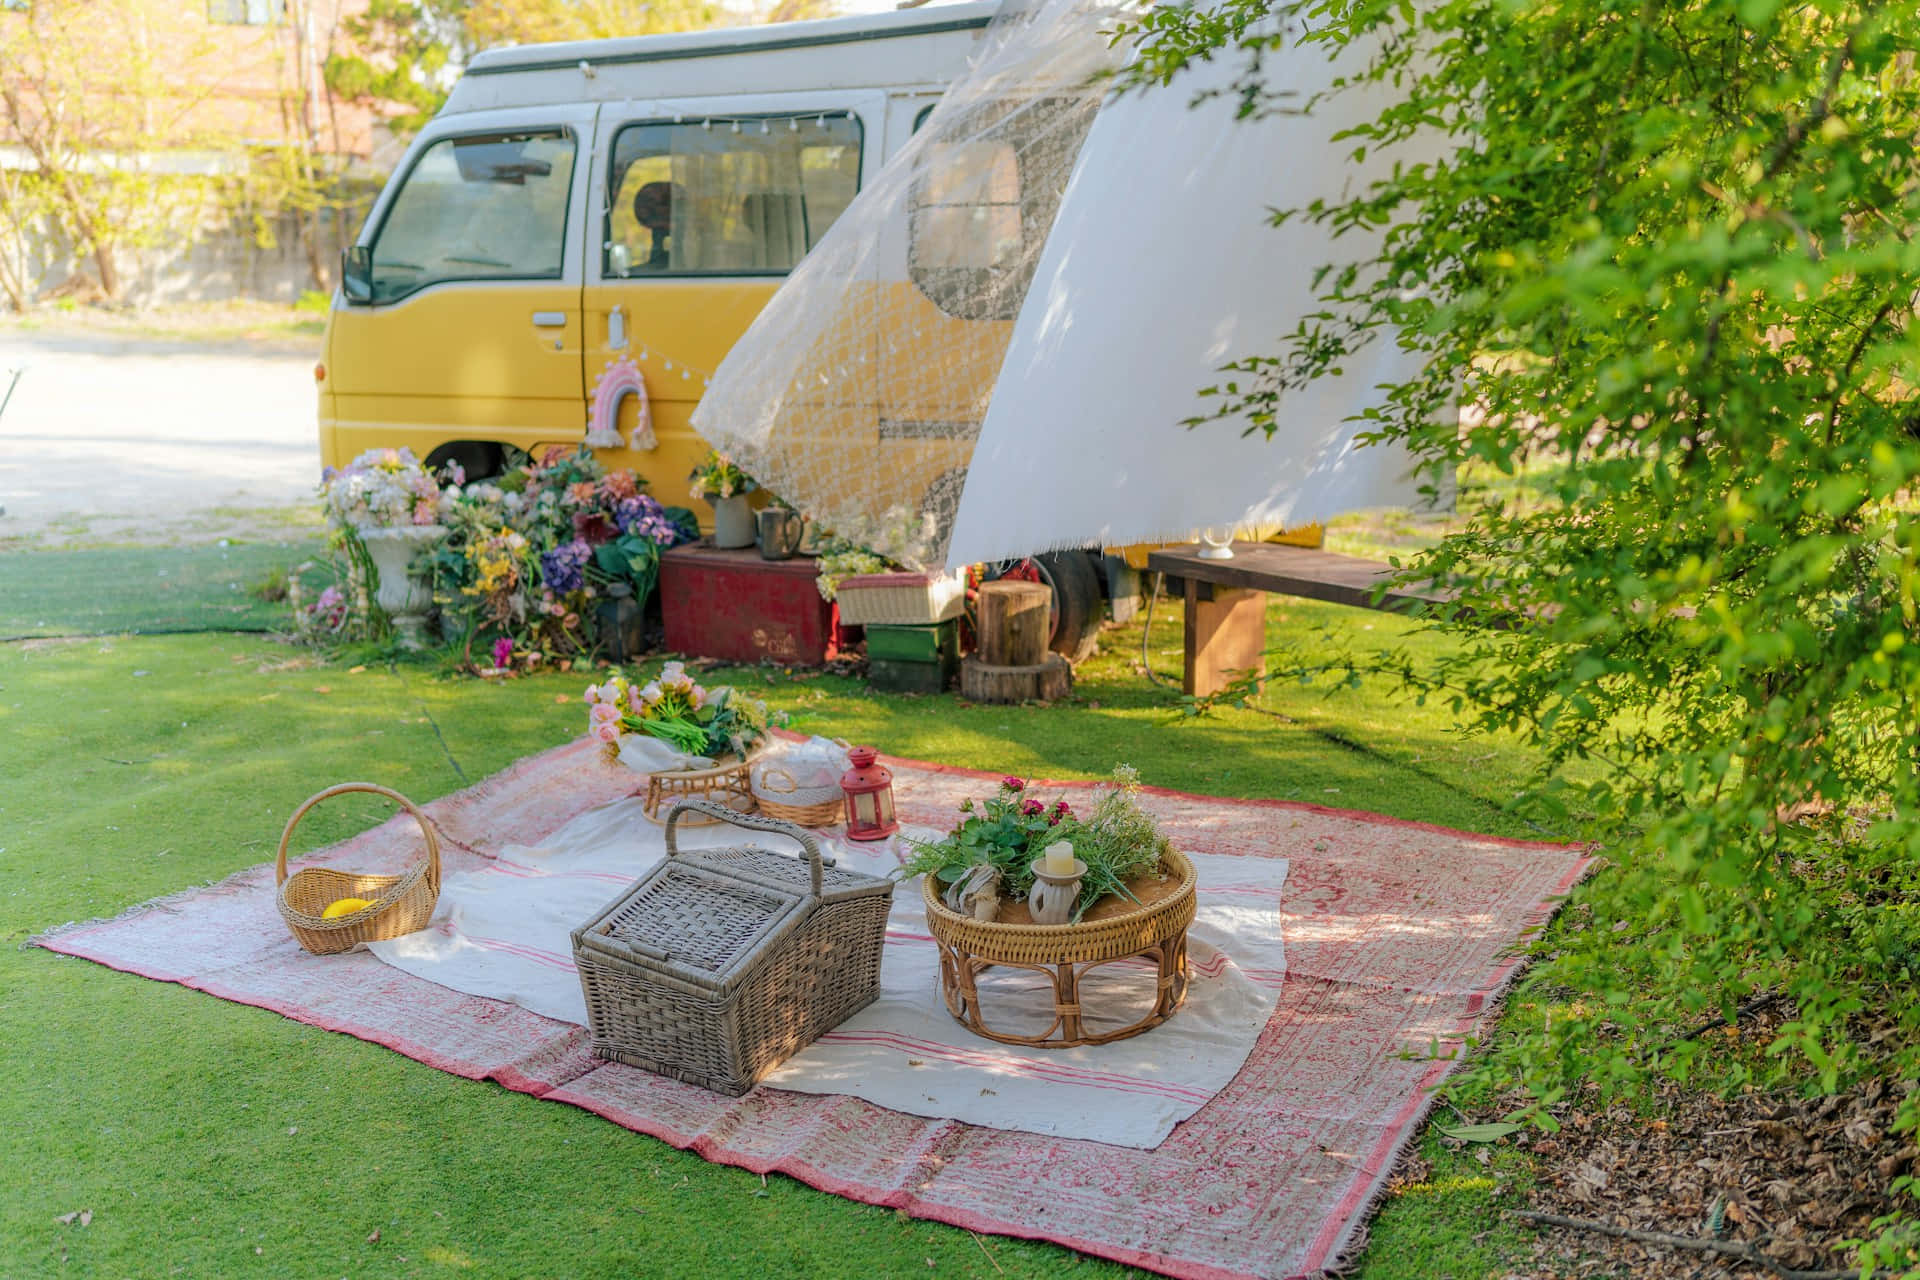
(138, 765)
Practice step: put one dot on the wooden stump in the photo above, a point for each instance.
(982, 681)
(1014, 622)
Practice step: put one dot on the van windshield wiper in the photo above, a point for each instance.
(480, 262)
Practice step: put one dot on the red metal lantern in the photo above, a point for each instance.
(869, 791)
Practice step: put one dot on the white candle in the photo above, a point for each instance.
(1060, 858)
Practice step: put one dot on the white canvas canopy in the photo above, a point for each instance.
(1163, 265)
(993, 350)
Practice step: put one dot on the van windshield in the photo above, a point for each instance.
(477, 208)
(727, 196)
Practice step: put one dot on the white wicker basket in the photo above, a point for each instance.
(901, 599)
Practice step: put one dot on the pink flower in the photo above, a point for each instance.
(1011, 783)
(1029, 808)
(608, 731)
(592, 694)
(603, 713)
(502, 651)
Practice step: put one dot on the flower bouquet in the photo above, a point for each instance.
(719, 476)
(725, 486)
(689, 740)
(990, 854)
(381, 489)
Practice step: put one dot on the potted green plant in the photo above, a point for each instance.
(995, 852)
(721, 483)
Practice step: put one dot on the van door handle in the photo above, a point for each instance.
(617, 328)
(550, 319)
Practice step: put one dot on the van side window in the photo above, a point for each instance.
(727, 196)
(972, 214)
(491, 207)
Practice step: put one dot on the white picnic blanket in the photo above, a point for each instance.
(502, 931)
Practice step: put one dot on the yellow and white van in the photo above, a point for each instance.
(579, 215)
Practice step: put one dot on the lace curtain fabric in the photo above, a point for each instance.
(859, 392)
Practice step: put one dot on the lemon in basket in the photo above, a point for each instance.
(344, 907)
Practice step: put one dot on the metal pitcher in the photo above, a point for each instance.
(780, 532)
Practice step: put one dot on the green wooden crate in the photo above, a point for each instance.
(893, 676)
(939, 642)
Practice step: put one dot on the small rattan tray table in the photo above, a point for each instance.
(1154, 931)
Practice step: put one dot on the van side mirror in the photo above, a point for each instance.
(356, 275)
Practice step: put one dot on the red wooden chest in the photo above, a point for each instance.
(737, 607)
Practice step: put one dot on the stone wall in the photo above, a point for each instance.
(183, 263)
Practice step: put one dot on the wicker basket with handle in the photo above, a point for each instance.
(779, 796)
(396, 905)
(720, 964)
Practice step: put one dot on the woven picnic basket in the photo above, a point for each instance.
(720, 964)
(396, 905)
(777, 795)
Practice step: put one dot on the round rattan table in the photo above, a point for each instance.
(1153, 930)
(725, 783)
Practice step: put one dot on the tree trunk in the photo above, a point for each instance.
(89, 228)
(16, 294)
(1014, 622)
(1043, 682)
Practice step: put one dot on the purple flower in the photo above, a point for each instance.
(1011, 783)
(643, 517)
(502, 651)
(1029, 808)
(563, 567)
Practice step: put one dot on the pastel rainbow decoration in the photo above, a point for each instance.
(619, 380)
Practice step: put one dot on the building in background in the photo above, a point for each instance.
(154, 150)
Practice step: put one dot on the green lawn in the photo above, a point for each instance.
(212, 1139)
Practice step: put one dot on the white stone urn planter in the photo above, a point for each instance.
(405, 598)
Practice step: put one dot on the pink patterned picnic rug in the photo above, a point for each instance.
(1398, 937)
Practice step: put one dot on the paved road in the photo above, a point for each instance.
(107, 439)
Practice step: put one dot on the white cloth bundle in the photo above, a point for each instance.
(644, 753)
(801, 772)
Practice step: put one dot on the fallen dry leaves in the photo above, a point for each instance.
(1789, 1175)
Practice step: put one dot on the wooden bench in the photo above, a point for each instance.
(1226, 632)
